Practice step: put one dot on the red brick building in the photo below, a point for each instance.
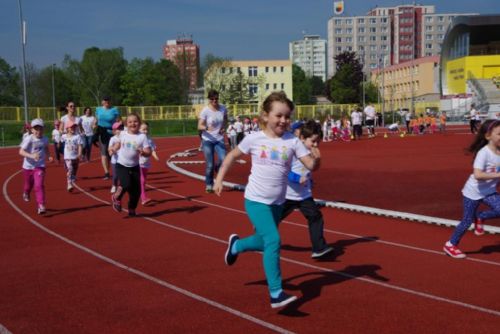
(186, 55)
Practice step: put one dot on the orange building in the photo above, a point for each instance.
(186, 55)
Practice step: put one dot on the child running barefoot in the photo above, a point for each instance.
(272, 150)
(145, 162)
(299, 194)
(34, 149)
(481, 185)
(117, 128)
(72, 152)
(131, 146)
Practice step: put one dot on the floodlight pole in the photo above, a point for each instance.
(23, 44)
(53, 92)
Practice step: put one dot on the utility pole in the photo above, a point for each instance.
(53, 92)
(23, 44)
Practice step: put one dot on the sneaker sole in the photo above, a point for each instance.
(478, 233)
(228, 250)
(461, 256)
(285, 302)
(323, 253)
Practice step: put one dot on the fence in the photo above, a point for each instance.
(184, 112)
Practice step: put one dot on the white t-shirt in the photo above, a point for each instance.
(474, 115)
(65, 119)
(87, 122)
(145, 162)
(32, 144)
(71, 145)
(238, 126)
(297, 191)
(247, 128)
(128, 154)
(356, 117)
(56, 136)
(115, 139)
(271, 162)
(370, 112)
(393, 126)
(231, 130)
(489, 162)
(214, 120)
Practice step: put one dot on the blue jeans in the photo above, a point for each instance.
(209, 148)
(265, 219)
(87, 147)
(470, 208)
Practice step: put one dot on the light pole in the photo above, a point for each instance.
(363, 72)
(22, 24)
(53, 92)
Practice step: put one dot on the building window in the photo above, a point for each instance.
(222, 70)
(338, 22)
(348, 31)
(267, 86)
(230, 70)
(383, 20)
(428, 19)
(339, 49)
(348, 21)
(275, 86)
(361, 21)
(267, 69)
(361, 30)
(373, 48)
(373, 38)
(282, 86)
(428, 46)
(441, 18)
(428, 28)
(252, 88)
(361, 38)
(440, 28)
(282, 69)
(338, 39)
(383, 38)
(338, 30)
(373, 20)
(349, 48)
(348, 39)
(428, 37)
(274, 69)
(373, 29)
(252, 71)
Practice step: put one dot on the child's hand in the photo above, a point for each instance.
(51, 159)
(218, 188)
(36, 156)
(303, 179)
(315, 153)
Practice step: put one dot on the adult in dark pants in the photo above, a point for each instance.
(474, 118)
(299, 194)
(106, 116)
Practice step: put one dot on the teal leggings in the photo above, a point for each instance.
(265, 219)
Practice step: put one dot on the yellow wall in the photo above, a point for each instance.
(481, 67)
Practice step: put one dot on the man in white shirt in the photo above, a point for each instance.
(370, 115)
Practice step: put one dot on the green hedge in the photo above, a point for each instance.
(11, 132)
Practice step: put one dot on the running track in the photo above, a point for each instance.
(84, 268)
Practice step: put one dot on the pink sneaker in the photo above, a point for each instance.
(453, 251)
(478, 227)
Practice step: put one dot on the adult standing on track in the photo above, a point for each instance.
(356, 118)
(106, 116)
(370, 115)
(212, 122)
(474, 118)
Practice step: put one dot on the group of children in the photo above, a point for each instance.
(130, 152)
(236, 130)
(426, 124)
(336, 129)
(279, 181)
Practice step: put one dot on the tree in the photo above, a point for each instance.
(208, 60)
(98, 74)
(317, 85)
(40, 86)
(146, 82)
(10, 85)
(345, 86)
(302, 90)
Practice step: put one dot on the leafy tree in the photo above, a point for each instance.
(370, 92)
(97, 74)
(40, 86)
(238, 90)
(302, 90)
(208, 60)
(146, 82)
(10, 85)
(317, 85)
(345, 86)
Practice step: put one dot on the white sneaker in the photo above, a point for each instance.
(322, 252)
(70, 187)
(113, 189)
(41, 210)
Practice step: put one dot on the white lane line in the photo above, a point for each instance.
(353, 207)
(138, 272)
(4, 330)
(328, 230)
(307, 265)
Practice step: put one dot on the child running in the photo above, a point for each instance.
(131, 146)
(56, 139)
(72, 152)
(34, 149)
(117, 128)
(145, 162)
(481, 185)
(272, 150)
(299, 194)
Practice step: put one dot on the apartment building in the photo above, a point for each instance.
(186, 55)
(264, 77)
(397, 34)
(310, 54)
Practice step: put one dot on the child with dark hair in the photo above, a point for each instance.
(299, 194)
(481, 187)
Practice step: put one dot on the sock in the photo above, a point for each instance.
(275, 294)
(449, 244)
(234, 251)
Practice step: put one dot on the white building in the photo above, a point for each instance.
(397, 34)
(310, 54)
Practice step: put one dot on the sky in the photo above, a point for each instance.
(235, 29)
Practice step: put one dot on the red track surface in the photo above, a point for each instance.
(164, 272)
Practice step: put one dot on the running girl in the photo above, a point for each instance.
(272, 150)
(72, 152)
(145, 162)
(481, 185)
(117, 128)
(131, 146)
(56, 139)
(34, 149)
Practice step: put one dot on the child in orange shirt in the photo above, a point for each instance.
(433, 124)
(442, 122)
